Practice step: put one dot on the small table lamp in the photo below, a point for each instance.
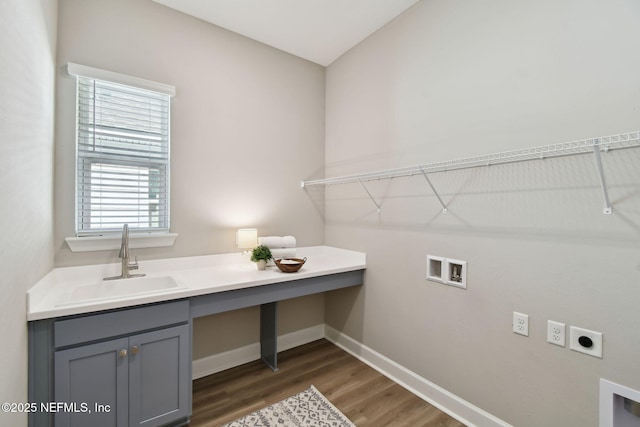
(247, 238)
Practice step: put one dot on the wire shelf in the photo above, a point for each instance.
(584, 146)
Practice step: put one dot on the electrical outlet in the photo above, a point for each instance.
(555, 333)
(585, 341)
(521, 323)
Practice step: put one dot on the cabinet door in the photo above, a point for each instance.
(88, 376)
(160, 376)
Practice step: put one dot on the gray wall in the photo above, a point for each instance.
(27, 49)
(451, 79)
(446, 80)
(247, 125)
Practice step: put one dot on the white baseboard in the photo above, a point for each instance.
(442, 399)
(239, 356)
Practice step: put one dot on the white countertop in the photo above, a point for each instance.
(199, 275)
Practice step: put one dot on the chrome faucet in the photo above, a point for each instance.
(124, 256)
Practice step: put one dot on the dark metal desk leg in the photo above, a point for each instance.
(269, 334)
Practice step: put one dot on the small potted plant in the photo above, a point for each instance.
(260, 255)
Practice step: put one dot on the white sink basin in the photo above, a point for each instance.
(121, 288)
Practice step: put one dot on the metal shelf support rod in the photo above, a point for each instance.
(370, 196)
(444, 207)
(605, 194)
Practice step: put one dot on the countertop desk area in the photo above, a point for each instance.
(108, 335)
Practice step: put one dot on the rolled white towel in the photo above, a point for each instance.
(289, 241)
(271, 241)
(283, 253)
(277, 241)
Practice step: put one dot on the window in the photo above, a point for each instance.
(122, 170)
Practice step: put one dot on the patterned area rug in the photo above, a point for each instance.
(308, 408)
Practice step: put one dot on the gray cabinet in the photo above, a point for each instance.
(159, 377)
(141, 379)
(91, 375)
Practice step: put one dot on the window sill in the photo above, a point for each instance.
(106, 243)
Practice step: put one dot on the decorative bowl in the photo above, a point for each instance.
(290, 265)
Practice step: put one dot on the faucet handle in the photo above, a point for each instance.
(134, 265)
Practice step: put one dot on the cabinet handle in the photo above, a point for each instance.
(122, 353)
(135, 350)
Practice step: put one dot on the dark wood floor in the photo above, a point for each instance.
(365, 396)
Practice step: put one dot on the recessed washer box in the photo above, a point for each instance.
(447, 271)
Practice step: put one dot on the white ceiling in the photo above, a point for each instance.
(317, 30)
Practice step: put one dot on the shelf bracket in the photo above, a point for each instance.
(444, 207)
(605, 194)
(370, 196)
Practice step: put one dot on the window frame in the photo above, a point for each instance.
(149, 163)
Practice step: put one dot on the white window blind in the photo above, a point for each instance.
(122, 158)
